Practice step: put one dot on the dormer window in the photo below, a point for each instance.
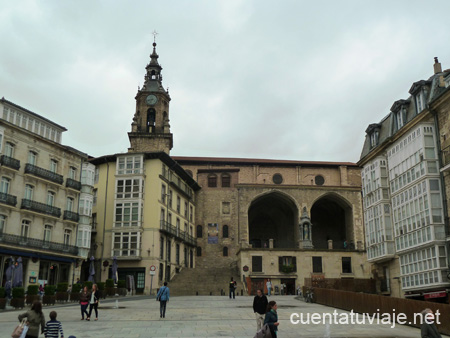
(420, 102)
(399, 119)
(374, 138)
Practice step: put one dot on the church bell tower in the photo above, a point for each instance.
(150, 130)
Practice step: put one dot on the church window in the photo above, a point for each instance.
(199, 231)
(225, 252)
(225, 231)
(277, 179)
(199, 251)
(212, 181)
(226, 181)
(319, 180)
(346, 265)
(151, 118)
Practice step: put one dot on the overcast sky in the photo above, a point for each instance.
(297, 80)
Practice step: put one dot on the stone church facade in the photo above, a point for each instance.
(290, 221)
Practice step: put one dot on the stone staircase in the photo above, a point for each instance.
(204, 282)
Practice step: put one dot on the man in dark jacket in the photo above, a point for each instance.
(428, 328)
(259, 307)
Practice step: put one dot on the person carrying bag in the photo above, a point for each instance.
(34, 320)
(20, 330)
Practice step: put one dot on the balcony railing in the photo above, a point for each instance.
(71, 183)
(182, 235)
(182, 188)
(38, 244)
(10, 162)
(43, 173)
(41, 208)
(71, 216)
(8, 199)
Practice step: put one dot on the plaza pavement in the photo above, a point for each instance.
(199, 316)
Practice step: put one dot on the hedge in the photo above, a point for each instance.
(49, 290)
(18, 292)
(32, 290)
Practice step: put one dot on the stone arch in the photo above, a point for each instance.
(332, 219)
(273, 216)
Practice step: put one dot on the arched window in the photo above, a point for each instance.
(199, 231)
(226, 180)
(225, 231)
(225, 252)
(199, 251)
(151, 118)
(212, 181)
(189, 173)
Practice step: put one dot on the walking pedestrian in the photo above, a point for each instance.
(271, 318)
(84, 301)
(53, 327)
(233, 288)
(35, 318)
(428, 328)
(94, 302)
(269, 286)
(260, 303)
(163, 297)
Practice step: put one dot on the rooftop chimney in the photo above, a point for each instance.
(437, 66)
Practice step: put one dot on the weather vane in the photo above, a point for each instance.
(155, 33)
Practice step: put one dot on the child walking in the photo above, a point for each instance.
(53, 327)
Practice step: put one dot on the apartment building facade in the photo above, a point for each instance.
(42, 185)
(404, 198)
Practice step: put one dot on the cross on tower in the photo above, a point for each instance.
(155, 33)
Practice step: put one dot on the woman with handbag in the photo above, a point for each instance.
(93, 302)
(84, 302)
(34, 318)
(271, 318)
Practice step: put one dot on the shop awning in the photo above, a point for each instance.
(36, 255)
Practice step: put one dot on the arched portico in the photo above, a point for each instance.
(332, 219)
(273, 216)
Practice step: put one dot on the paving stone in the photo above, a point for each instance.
(201, 316)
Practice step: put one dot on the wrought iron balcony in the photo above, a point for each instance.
(8, 199)
(71, 183)
(38, 244)
(10, 162)
(43, 173)
(182, 235)
(40, 207)
(71, 216)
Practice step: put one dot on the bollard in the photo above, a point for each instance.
(196, 293)
(242, 292)
(210, 293)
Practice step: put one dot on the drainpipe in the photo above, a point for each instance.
(239, 223)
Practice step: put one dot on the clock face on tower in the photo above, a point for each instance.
(151, 100)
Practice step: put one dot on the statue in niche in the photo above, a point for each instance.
(305, 225)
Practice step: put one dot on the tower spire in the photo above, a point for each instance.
(150, 130)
